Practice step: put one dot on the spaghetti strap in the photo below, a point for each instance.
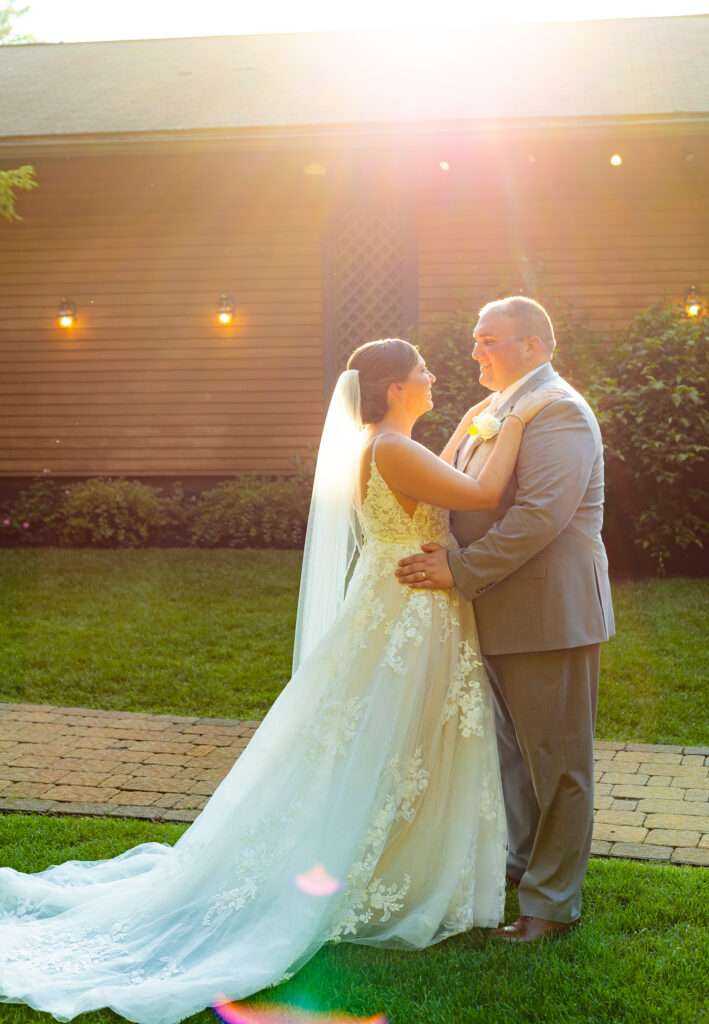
(359, 499)
(374, 445)
(371, 447)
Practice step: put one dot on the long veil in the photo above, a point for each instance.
(332, 535)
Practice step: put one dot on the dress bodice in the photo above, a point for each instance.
(385, 521)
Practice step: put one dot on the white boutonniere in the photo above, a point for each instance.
(485, 426)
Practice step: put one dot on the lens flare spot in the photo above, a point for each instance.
(317, 882)
(444, 165)
(616, 159)
(242, 1013)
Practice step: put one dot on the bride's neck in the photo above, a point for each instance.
(396, 421)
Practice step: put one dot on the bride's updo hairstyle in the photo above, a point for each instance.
(381, 363)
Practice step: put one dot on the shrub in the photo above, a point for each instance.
(248, 511)
(177, 511)
(35, 516)
(651, 399)
(252, 512)
(111, 514)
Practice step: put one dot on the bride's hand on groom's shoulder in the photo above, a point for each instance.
(534, 401)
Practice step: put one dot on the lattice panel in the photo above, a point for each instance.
(369, 279)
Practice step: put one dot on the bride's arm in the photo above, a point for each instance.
(462, 428)
(410, 468)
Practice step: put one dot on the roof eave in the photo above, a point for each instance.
(331, 136)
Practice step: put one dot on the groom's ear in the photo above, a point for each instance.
(533, 345)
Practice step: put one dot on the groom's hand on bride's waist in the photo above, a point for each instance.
(426, 571)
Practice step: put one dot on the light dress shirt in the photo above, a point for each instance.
(513, 387)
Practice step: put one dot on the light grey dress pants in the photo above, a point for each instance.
(545, 714)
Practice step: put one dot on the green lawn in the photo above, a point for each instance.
(654, 673)
(209, 633)
(178, 631)
(640, 957)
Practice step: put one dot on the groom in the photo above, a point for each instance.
(536, 571)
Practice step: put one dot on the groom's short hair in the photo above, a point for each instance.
(528, 316)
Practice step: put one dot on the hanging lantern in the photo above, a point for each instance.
(225, 309)
(693, 302)
(67, 313)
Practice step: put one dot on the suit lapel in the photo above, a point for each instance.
(544, 375)
(462, 461)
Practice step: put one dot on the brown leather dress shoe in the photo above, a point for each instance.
(532, 929)
(511, 881)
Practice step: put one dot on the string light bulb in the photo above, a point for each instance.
(616, 159)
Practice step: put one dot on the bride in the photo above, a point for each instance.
(367, 808)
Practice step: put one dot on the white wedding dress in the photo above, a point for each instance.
(378, 760)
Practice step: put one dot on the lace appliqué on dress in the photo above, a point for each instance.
(383, 517)
(367, 617)
(334, 727)
(171, 969)
(70, 953)
(364, 893)
(409, 628)
(251, 868)
(466, 696)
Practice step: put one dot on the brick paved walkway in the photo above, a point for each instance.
(651, 801)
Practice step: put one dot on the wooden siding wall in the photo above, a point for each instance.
(608, 241)
(147, 383)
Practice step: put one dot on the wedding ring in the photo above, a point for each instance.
(423, 575)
